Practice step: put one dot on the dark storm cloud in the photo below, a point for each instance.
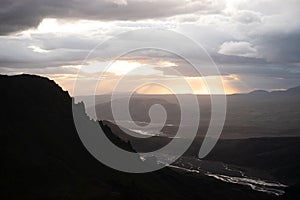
(282, 48)
(283, 71)
(16, 15)
(265, 70)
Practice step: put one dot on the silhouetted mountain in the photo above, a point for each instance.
(294, 90)
(258, 92)
(42, 156)
(290, 91)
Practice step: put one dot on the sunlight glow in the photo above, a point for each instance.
(197, 84)
(122, 67)
(167, 64)
(38, 49)
(153, 89)
(53, 25)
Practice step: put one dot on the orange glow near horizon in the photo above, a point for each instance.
(153, 89)
(197, 84)
(140, 75)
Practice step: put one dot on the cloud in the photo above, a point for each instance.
(244, 37)
(50, 41)
(19, 53)
(17, 15)
(119, 2)
(247, 17)
(244, 49)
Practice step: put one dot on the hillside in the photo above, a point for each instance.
(42, 156)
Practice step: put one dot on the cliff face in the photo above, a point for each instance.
(42, 156)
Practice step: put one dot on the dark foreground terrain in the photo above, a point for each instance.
(272, 159)
(42, 156)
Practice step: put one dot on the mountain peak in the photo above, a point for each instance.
(294, 90)
(259, 92)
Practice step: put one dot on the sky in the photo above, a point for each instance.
(254, 43)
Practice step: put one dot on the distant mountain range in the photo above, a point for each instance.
(256, 114)
(290, 91)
